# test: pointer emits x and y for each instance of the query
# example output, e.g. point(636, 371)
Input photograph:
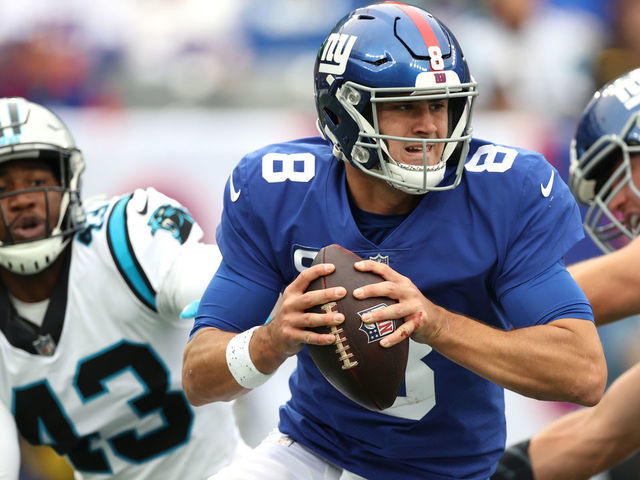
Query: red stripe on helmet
point(428, 35)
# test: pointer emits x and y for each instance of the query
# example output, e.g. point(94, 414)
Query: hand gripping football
point(357, 365)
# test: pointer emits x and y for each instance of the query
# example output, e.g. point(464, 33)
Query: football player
point(90, 299)
point(470, 235)
point(605, 175)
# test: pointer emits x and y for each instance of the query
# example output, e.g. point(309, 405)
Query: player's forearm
point(591, 440)
point(568, 448)
point(547, 362)
point(205, 375)
point(597, 287)
point(606, 282)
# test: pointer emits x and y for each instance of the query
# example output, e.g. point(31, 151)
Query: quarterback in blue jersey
point(471, 236)
point(605, 176)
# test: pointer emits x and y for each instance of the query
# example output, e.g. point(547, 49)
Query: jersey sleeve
point(150, 237)
point(549, 296)
point(224, 304)
point(545, 224)
point(187, 277)
point(247, 284)
point(246, 216)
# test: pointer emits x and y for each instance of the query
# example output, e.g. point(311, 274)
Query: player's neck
point(33, 288)
point(377, 196)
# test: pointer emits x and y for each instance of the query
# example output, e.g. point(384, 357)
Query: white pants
point(278, 457)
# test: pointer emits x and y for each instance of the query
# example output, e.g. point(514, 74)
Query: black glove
point(515, 463)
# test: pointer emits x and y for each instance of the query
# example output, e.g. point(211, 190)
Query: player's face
point(415, 119)
point(626, 203)
point(27, 215)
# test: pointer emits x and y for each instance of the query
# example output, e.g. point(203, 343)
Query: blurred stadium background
point(171, 93)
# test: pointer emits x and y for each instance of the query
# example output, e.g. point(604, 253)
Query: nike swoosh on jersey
point(234, 194)
point(546, 190)
point(143, 210)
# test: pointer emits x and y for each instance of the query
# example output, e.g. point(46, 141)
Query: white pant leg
point(257, 411)
point(279, 458)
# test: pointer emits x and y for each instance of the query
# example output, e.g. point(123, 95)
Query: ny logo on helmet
point(626, 89)
point(174, 219)
point(336, 53)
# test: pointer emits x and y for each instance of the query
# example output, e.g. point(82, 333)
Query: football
point(356, 364)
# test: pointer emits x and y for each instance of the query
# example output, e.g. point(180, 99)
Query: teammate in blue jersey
point(605, 175)
point(91, 337)
point(470, 236)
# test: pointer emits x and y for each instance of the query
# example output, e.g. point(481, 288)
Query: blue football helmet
point(607, 136)
point(29, 131)
point(388, 52)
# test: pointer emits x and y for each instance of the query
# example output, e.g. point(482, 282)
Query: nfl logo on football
point(375, 331)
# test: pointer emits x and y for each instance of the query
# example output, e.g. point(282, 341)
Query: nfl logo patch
point(380, 258)
point(440, 77)
point(45, 345)
point(375, 331)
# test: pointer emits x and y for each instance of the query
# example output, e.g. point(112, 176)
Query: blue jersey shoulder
point(271, 192)
point(525, 199)
point(270, 181)
point(514, 169)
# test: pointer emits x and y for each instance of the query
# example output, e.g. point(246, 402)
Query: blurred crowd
point(537, 63)
point(538, 55)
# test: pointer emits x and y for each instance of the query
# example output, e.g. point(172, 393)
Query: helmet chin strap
point(423, 179)
point(33, 257)
point(416, 179)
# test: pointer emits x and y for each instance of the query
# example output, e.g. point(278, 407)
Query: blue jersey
point(507, 224)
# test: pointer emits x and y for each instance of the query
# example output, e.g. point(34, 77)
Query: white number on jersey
point(492, 158)
point(420, 388)
point(280, 167)
point(38, 409)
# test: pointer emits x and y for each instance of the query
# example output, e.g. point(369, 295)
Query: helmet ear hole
point(331, 117)
point(605, 168)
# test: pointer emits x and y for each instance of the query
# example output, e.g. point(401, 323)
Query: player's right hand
point(289, 329)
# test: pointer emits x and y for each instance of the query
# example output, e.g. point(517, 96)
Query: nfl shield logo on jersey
point(380, 259)
point(375, 331)
point(45, 345)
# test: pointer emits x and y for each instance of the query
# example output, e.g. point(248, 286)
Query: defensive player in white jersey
point(91, 335)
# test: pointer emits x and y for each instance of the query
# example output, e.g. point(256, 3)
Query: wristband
point(240, 364)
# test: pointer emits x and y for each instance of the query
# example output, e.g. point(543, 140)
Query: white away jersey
point(100, 381)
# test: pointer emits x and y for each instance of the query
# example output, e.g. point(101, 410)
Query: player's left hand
point(423, 320)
